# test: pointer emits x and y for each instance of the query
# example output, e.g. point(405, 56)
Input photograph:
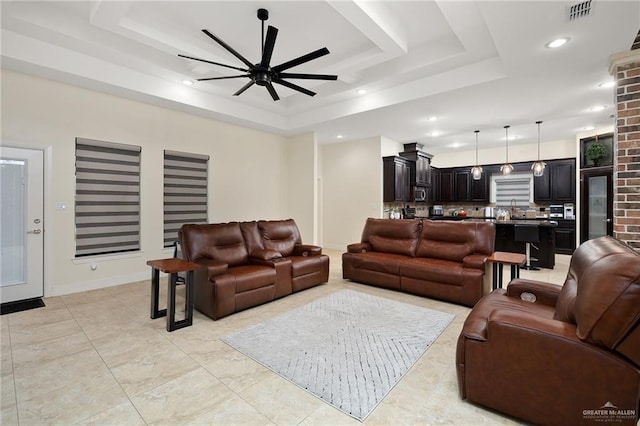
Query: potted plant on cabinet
point(596, 152)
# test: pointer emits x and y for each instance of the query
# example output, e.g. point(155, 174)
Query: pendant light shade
point(538, 166)
point(507, 167)
point(476, 171)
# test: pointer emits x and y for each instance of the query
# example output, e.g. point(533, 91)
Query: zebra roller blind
point(185, 192)
point(107, 204)
point(515, 188)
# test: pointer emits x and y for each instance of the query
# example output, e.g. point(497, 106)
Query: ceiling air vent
point(579, 10)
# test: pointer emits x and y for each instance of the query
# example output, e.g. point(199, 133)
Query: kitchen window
point(516, 188)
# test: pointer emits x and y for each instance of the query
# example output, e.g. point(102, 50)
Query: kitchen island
point(544, 250)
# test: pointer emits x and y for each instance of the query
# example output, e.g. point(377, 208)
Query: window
point(185, 192)
point(514, 189)
point(107, 205)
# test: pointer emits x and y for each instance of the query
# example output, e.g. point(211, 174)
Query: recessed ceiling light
point(557, 42)
point(434, 133)
point(597, 108)
point(588, 128)
point(361, 92)
point(339, 136)
point(432, 118)
point(607, 84)
point(553, 44)
point(188, 82)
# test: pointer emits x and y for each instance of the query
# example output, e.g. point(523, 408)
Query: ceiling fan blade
point(269, 43)
point(229, 48)
point(214, 63)
point(272, 91)
point(223, 78)
point(308, 76)
point(301, 60)
point(294, 87)
point(243, 88)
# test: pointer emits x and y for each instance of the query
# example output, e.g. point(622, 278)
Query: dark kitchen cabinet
point(462, 185)
point(565, 236)
point(434, 195)
point(447, 185)
point(396, 173)
point(421, 164)
point(557, 184)
point(480, 188)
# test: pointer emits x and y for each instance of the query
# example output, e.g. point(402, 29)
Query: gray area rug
point(349, 348)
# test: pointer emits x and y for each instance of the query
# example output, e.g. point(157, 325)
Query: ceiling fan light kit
point(262, 73)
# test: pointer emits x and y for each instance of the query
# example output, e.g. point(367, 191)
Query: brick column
point(625, 67)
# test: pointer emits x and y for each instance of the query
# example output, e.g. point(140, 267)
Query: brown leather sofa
point(439, 259)
point(249, 263)
point(556, 355)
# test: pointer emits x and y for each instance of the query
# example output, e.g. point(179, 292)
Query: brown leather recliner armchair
point(560, 355)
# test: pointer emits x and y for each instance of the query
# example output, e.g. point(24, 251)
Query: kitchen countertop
point(538, 221)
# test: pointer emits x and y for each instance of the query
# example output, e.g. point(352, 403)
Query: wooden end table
point(500, 258)
point(172, 267)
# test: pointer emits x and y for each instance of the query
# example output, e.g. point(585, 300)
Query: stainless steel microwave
point(420, 193)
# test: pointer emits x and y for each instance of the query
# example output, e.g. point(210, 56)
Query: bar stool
point(527, 234)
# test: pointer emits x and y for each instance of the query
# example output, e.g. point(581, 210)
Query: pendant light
point(476, 171)
point(538, 166)
point(507, 167)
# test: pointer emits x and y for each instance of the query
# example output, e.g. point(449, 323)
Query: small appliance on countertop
point(409, 213)
point(569, 212)
point(436, 210)
point(556, 211)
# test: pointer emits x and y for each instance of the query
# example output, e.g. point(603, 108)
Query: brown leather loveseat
point(440, 259)
point(249, 263)
point(556, 355)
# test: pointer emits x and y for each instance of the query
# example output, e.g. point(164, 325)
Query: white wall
point(352, 189)
point(497, 155)
point(303, 194)
point(249, 170)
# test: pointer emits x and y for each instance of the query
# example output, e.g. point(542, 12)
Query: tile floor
point(97, 358)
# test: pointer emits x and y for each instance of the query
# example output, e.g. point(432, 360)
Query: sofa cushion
point(392, 236)
point(566, 300)
point(222, 242)
point(280, 235)
point(303, 265)
point(446, 240)
point(436, 270)
point(387, 263)
point(251, 277)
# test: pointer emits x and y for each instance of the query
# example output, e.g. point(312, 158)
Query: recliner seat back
point(279, 235)
point(392, 236)
point(601, 296)
point(222, 242)
point(455, 240)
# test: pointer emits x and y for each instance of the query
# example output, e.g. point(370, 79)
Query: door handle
point(606, 220)
point(35, 231)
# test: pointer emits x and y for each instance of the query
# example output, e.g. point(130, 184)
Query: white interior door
point(21, 224)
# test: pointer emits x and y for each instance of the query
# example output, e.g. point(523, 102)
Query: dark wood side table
point(172, 267)
point(500, 258)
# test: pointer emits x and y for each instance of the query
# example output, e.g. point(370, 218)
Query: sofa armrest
point(475, 261)
point(529, 323)
point(534, 291)
point(306, 250)
point(359, 248)
point(213, 267)
point(265, 254)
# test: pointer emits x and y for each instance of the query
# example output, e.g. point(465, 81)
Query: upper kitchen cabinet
point(421, 172)
point(558, 183)
point(447, 185)
point(435, 196)
point(396, 179)
point(462, 178)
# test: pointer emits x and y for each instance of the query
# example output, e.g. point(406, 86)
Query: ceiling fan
point(262, 73)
